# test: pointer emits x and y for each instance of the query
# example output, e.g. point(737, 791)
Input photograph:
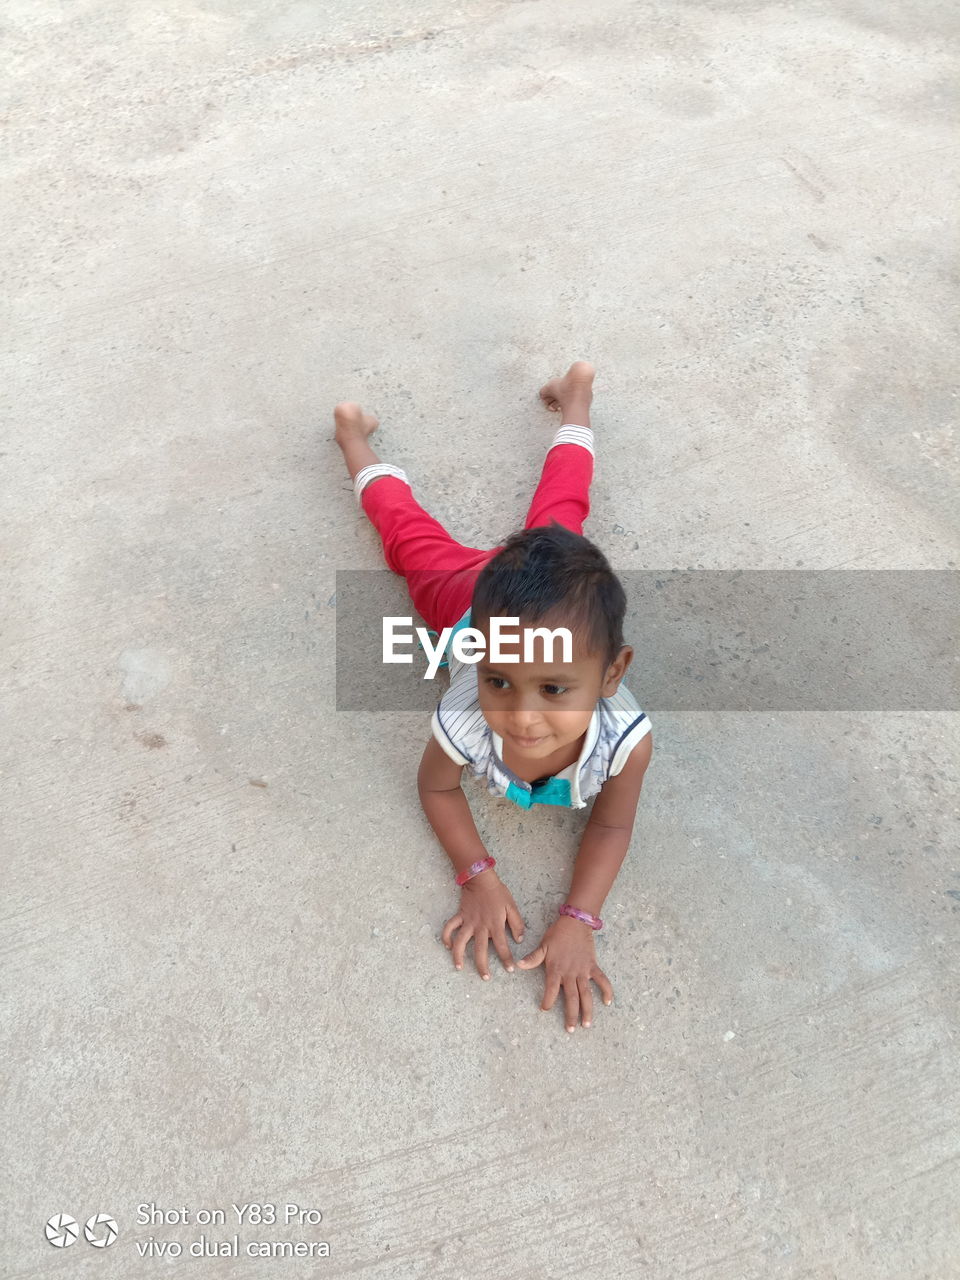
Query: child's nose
point(523, 716)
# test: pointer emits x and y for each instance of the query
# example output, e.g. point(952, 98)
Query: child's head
point(550, 577)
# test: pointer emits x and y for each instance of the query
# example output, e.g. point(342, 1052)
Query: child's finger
point(449, 927)
point(460, 944)
point(603, 982)
point(551, 990)
point(502, 950)
point(516, 923)
point(586, 1001)
point(480, 954)
point(571, 1003)
point(531, 960)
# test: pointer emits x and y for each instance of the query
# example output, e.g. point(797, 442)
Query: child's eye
point(554, 689)
point(497, 682)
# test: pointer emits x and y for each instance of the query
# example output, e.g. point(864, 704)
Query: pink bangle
point(593, 921)
point(475, 869)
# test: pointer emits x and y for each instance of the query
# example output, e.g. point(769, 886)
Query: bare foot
point(575, 385)
point(352, 422)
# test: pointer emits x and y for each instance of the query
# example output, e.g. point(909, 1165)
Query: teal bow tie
point(553, 791)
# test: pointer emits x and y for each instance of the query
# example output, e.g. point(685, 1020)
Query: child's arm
point(486, 904)
point(567, 947)
point(607, 835)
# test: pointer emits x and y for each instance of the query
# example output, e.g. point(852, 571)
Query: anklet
point(372, 472)
point(570, 434)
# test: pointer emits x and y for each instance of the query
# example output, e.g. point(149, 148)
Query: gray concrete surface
point(223, 978)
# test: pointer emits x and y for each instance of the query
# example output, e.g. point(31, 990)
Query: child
point(539, 731)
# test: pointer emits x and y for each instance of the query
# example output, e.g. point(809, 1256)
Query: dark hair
point(549, 568)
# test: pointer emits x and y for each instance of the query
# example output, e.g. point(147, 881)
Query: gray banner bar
point(718, 640)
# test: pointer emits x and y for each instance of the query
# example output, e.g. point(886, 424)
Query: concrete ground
point(223, 977)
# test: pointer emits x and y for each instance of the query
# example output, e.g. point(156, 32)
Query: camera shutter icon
point(61, 1230)
point(100, 1230)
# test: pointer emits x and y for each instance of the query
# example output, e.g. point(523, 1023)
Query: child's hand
point(571, 961)
point(485, 905)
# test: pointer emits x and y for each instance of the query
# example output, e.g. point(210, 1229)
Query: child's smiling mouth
point(527, 742)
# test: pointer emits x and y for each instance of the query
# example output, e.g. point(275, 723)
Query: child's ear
point(616, 671)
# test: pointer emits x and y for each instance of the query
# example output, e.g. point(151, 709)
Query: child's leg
point(440, 572)
point(563, 493)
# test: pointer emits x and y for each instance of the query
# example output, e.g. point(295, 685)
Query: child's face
point(539, 707)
